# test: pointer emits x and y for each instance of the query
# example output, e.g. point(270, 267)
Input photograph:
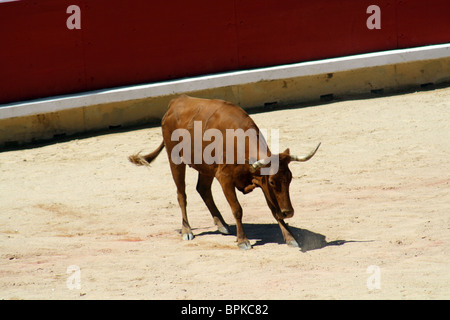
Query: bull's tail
point(145, 160)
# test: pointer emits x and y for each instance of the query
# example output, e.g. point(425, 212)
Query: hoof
point(245, 245)
point(293, 244)
point(224, 230)
point(188, 236)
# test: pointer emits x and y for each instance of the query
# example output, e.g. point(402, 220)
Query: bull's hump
point(213, 113)
point(228, 116)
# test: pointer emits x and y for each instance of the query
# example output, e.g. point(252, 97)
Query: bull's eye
point(272, 183)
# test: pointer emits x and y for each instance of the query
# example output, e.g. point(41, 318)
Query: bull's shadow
point(271, 233)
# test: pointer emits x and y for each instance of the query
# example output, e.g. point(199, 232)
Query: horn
point(307, 157)
point(258, 164)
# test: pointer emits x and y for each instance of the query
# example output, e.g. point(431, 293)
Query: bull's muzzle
point(286, 213)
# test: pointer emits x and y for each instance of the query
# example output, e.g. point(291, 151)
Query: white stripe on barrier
point(135, 92)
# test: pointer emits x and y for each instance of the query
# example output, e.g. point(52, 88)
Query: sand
point(78, 221)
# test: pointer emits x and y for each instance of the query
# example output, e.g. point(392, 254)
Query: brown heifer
point(196, 116)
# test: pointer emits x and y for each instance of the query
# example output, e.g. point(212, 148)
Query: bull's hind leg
point(204, 189)
point(179, 174)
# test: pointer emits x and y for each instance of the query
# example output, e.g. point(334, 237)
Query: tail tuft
point(138, 160)
point(145, 160)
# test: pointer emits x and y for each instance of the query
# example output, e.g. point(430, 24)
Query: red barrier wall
point(130, 42)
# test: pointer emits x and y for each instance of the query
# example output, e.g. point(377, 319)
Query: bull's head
point(275, 185)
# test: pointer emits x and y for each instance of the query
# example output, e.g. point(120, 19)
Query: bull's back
point(214, 114)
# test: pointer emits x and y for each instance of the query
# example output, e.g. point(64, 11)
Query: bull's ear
point(287, 151)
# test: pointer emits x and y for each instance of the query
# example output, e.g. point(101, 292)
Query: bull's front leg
point(242, 240)
point(230, 194)
point(287, 234)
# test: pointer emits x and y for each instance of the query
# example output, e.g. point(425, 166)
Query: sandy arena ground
point(372, 209)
